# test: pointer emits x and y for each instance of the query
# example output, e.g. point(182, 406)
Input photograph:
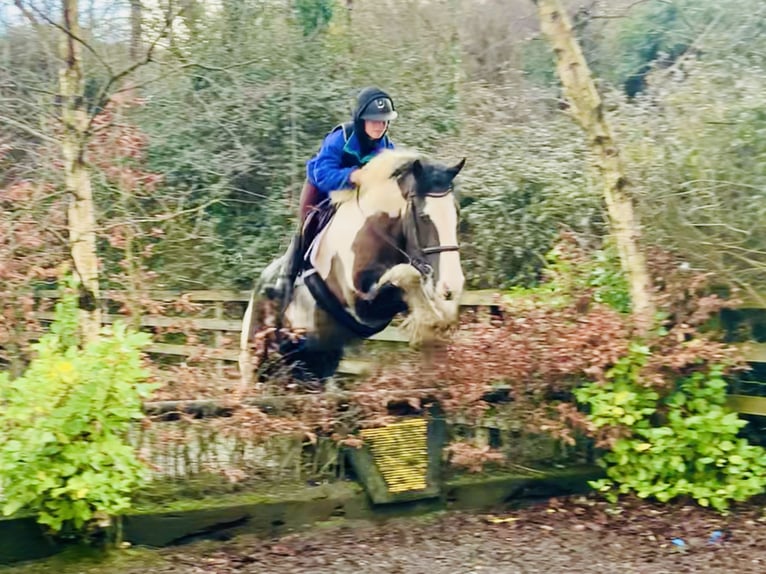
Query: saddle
point(319, 216)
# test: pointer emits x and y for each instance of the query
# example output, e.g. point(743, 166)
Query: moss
point(165, 499)
point(88, 560)
point(574, 472)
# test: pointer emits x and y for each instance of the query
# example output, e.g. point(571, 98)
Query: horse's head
point(430, 224)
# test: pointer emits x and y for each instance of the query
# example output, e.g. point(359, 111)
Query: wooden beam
point(481, 298)
point(233, 325)
point(203, 295)
point(747, 405)
point(199, 351)
point(754, 352)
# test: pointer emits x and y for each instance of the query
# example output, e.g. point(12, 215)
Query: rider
point(344, 150)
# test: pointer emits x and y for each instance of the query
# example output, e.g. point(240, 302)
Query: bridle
point(418, 254)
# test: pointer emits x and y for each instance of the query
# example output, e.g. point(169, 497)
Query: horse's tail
point(246, 364)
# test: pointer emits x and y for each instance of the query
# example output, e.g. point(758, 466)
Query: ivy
point(64, 453)
point(682, 442)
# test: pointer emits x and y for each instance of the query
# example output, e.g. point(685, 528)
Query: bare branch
point(25, 128)
point(73, 37)
point(165, 216)
point(103, 96)
point(27, 14)
point(615, 16)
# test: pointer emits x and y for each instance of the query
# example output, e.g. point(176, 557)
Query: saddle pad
point(311, 251)
point(314, 228)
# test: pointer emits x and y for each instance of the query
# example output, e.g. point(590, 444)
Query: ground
point(577, 535)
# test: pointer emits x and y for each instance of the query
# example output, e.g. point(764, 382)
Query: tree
point(81, 212)
point(78, 103)
point(588, 110)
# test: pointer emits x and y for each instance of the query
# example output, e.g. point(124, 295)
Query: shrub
point(682, 442)
point(64, 453)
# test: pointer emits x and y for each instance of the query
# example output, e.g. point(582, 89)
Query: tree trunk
point(587, 108)
point(136, 32)
point(81, 213)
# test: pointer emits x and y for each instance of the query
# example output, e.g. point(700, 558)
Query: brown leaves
point(472, 457)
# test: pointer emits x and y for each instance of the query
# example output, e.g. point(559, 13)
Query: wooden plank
point(752, 302)
point(347, 366)
point(234, 325)
point(488, 297)
point(193, 351)
point(477, 297)
point(392, 335)
point(355, 367)
point(754, 352)
point(202, 295)
point(747, 405)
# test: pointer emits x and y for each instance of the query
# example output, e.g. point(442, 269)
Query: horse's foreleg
point(425, 320)
point(404, 276)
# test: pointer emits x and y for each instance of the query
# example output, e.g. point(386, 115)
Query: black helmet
point(374, 104)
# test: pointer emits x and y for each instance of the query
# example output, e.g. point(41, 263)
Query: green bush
point(669, 444)
point(570, 273)
point(64, 453)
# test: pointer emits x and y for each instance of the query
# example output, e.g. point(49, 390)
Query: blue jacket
point(330, 168)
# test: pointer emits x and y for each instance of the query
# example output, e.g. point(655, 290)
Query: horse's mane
point(378, 174)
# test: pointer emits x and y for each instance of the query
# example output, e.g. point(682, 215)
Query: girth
point(328, 302)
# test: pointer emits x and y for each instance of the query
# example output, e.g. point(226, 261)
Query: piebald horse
point(391, 247)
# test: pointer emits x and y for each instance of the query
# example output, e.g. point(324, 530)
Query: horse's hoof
point(313, 386)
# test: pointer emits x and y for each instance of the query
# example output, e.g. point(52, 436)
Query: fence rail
point(225, 348)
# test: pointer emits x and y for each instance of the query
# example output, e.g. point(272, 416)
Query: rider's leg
point(291, 263)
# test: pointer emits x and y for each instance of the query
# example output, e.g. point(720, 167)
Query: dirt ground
point(574, 535)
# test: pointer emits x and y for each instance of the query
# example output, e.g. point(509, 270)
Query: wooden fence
point(219, 320)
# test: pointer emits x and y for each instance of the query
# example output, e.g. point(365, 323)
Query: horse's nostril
point(447, 295)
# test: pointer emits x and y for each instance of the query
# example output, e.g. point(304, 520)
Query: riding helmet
point(374, 104)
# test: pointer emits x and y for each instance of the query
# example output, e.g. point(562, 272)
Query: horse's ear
point(453, 171)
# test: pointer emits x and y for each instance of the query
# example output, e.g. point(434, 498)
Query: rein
point(418, 259)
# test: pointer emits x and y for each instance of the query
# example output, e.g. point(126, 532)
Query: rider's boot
point(282, 288)
point(291, 263)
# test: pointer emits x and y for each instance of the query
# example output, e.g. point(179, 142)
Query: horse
point(390, 247)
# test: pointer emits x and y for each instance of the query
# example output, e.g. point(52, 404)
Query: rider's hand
point(354, 176)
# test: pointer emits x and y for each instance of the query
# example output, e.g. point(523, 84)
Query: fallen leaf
point(498, 520)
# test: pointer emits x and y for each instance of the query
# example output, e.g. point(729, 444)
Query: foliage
point(652, 34)
point(30, 253)
point(659, 408)
point(706, 202)
point(314, 14)
point(63, 432)
point(226, 127)
point(569, 275)
point(198, 161)
point(682, 442)
point(529, 200)
point(521, 365)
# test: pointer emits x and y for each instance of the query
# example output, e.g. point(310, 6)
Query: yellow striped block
point(400, 451)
